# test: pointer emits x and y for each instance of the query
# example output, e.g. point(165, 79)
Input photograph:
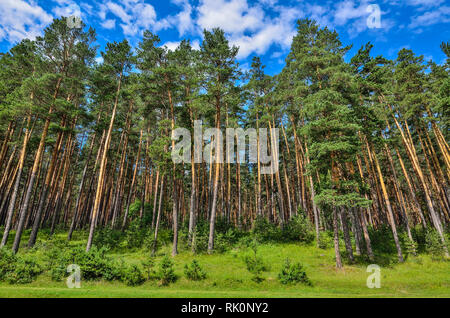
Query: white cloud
point(134, 15)
point(425, 3)
point(348, 10)
point(276, 54)
point(87, 8)
point(269, 3)
point(254, 26)
point(183, 19)
point(321, 14)
point(195, 44)
point(394, 50)
point(109, 24)
point(232, 16)
point(254, 30)
point(172, 45)
point(118, 11)
point(67, 8)
point(353, 15)
point(249, 26)
point(21, 19)
point(439, 15)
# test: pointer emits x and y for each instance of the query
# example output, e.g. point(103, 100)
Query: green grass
point(228, 277)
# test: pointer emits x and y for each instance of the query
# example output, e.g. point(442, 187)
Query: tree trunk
point(336, 239)
point(12, 200)
point(102, 170)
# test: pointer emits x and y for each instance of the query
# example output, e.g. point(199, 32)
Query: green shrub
point(410, 247)
point(263, 230)
point(201, 236)
point(223, 225)
point(148, 266)
point(223, 241)
point(200, 243)
point(134, 208)
point(25, 271)
point(255, 264)
point(56, 262)
point(94, 264)
point(245, 241)
point(326, 240)
point(133, 276)
point(166, 272)
point(299, 228)
point(58, 272)
point(7, 262)
point(382, 240)
point(194, 271)
point(293, 274)
point(135, 234)
point(434, 245)
point(107, 237)
point(17, 270)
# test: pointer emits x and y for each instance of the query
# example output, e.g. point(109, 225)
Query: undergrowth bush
point(382, 240)
point(299, 229)
point(255, 264)
point(17, 270)
point(148, 266)
point(135, 234)
point(293, 274)
point(194, 271)
point(326, 239)
point(166, 273)
point(434, 245)
point(94, 264)
point(264, 231)
point(408, 246)
point(7, 262)
point(107, 237)
point(224, 239)
point(133, 275)
point(25, 271)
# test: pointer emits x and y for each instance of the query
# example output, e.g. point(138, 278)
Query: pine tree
point(117, 62)
point(220, 69)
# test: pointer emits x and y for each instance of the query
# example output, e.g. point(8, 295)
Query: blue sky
point(264, 28)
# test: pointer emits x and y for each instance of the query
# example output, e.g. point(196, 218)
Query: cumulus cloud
point(134, 15)
point(354, 16)
point(183, 20)
point(67, 8)
point(323, 15)
point(231, 16)
point(254, 30)
point(172, 45)
point(249, 26)
point(21, 19)
point(254, 26)
point(424, 3)
point(439, 15)
point(99, 60)
point(109, 24)
point(348, 10)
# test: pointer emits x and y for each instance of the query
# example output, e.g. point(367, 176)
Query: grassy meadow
point(227, 275)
